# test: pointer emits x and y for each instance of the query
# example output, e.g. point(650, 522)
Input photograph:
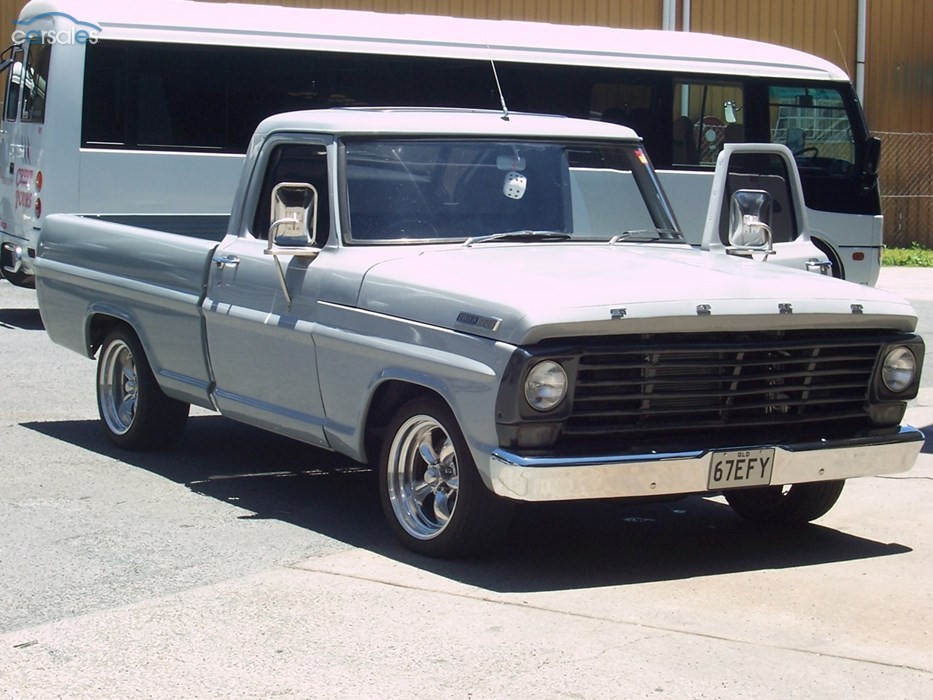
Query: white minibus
point(141, 110)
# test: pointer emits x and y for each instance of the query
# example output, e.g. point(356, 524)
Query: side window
point(104, 119)
point(35, 82)
point(814, 125)
point(706, 116)
point(295, 163)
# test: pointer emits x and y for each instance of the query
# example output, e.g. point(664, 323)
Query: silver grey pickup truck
point(491, 308)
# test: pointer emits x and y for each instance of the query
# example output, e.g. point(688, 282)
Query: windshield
point(444, 190)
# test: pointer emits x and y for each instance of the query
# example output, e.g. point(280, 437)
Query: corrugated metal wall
point(639, 14)
point(826, 28)
point(899, 105)
point(9, 11)
point(900, 69)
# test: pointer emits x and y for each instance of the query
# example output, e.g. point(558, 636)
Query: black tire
point(788, 505)
point(19, 279)
point(431, 492)
point(135, 413)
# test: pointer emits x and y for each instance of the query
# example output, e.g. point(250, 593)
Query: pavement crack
point(660, 629)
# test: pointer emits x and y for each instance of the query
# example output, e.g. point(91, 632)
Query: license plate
point(740, 469)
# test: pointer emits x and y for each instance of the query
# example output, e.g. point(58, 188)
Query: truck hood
point(523, 293)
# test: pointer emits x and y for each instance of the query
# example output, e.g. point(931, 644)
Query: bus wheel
point(135, 413)
point(789, 505)
point(431, 491)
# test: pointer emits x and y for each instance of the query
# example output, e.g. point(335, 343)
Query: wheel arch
point(839, 270)
point(384, 400)
point(99, 324)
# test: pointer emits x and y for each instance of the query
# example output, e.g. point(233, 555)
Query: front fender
point(360, 352)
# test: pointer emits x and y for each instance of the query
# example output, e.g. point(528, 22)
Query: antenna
point(495, 74)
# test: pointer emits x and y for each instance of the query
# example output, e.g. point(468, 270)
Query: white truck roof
point(440, 122)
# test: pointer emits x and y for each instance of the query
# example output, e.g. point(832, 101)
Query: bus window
point(11, 104)
point(35, 83)
point(700, 126)
point(627, 104)
point(814, 125)
point(104, 109)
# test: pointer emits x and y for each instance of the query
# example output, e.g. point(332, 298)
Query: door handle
point(823, 267)
point(224, 261)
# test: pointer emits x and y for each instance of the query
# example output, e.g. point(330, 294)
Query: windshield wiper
point(519, 236)
point(648, 235)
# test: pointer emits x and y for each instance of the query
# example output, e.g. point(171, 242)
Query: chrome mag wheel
point(423, 477)
point(118, 387)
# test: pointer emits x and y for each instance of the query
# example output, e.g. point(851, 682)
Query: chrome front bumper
point(558, 479)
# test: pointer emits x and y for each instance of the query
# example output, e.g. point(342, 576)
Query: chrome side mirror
point(294, 216)
point(749, 219)
point(293, 229)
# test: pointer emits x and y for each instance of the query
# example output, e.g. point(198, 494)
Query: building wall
point(826, 28)
point(900, 110)
point(639, 14)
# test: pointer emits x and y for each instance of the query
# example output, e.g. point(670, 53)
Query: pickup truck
point(492, 308)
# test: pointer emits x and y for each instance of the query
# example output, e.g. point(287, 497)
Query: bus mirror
point(749, 216)
point(9, 56)
point(730, 112)
point(872, 155)
point(294, 216)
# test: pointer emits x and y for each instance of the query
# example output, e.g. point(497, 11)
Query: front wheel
point(430, 488)
point(796, 504)
point(135, 413)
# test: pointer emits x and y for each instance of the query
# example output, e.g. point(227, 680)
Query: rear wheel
point(799, 503)
point(430, 489)
point(135, 413)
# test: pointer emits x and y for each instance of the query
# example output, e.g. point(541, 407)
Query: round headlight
point(545, 385)
point(899, 369)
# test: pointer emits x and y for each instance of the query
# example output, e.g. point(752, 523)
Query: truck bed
point(154, 280)
point(209, 227)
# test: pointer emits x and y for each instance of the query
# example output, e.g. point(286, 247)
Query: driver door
point(261, 344)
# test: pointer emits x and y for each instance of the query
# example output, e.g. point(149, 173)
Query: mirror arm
point(275, 252)
point(282, 283)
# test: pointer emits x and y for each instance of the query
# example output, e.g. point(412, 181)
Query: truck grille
point(696, 391)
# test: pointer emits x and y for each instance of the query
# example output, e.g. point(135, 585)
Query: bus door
point(11, 62)
point(20, 148)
